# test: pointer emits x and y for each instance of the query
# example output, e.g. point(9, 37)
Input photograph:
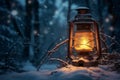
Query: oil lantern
point(84, 40)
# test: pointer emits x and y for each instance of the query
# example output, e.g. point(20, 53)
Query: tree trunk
point(68, 23)
point(28, 50)
point(36, 29)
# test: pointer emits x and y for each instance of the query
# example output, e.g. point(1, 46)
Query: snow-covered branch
point(50, 52)
point(60, 60)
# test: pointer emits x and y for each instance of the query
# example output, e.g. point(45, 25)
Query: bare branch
point(50, 52)
point(60, 60)
point(57, 46)
point(111, 45)
point(112, 38)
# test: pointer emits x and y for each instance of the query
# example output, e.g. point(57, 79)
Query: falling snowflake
point(9, 16)
point(13, 4)
point(63, 37)
point(60, 39)
point(21, 24)
point(56, 13)
point(107, 20)
point(45, 6)
point(51, 23)
point(14, 12)
point(29, 1)
point(111, 16)
point(36, 32)
point(46, 31)
point(65, 4)
point(8, 21)
point(111, 28)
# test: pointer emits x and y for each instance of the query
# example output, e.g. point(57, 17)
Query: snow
point(50, 72)
point(29, 67)
point(29, 1)
point(45, 6)
point(35, 32)
point(14, 12)
point(111, 28)
point(51, 23)
point(48, 67)
point(107, 20)
point(45, 31)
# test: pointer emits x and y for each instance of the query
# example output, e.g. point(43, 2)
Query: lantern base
point(82, 63)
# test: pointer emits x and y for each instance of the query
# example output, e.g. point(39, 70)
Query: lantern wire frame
point(94, 52)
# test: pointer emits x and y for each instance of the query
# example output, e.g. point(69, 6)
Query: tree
point(10, 36)
point(29, 38)
point(36, 30)
point(114, 15)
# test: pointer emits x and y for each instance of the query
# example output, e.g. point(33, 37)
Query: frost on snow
point(65, 73)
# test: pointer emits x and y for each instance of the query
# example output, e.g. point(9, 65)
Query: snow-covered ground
point(50, 72)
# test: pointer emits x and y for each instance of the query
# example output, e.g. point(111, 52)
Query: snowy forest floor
point(51, 72)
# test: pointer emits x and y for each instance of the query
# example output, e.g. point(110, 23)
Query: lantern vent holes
point(82, 13)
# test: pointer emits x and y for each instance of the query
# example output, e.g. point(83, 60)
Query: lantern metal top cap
point(83, 10)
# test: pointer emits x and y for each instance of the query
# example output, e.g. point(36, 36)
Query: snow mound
point(29, 67)
point(65, 73)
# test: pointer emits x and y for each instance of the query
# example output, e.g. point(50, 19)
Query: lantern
point(84, 40)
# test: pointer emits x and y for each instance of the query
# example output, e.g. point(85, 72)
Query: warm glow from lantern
point(83, 41)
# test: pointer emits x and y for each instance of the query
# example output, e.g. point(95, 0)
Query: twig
point(112, 38)
point(106, 47)
point(50, 52)
point(107, 35)
point(111, 45)
point(58, 59)
point(57, 46)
